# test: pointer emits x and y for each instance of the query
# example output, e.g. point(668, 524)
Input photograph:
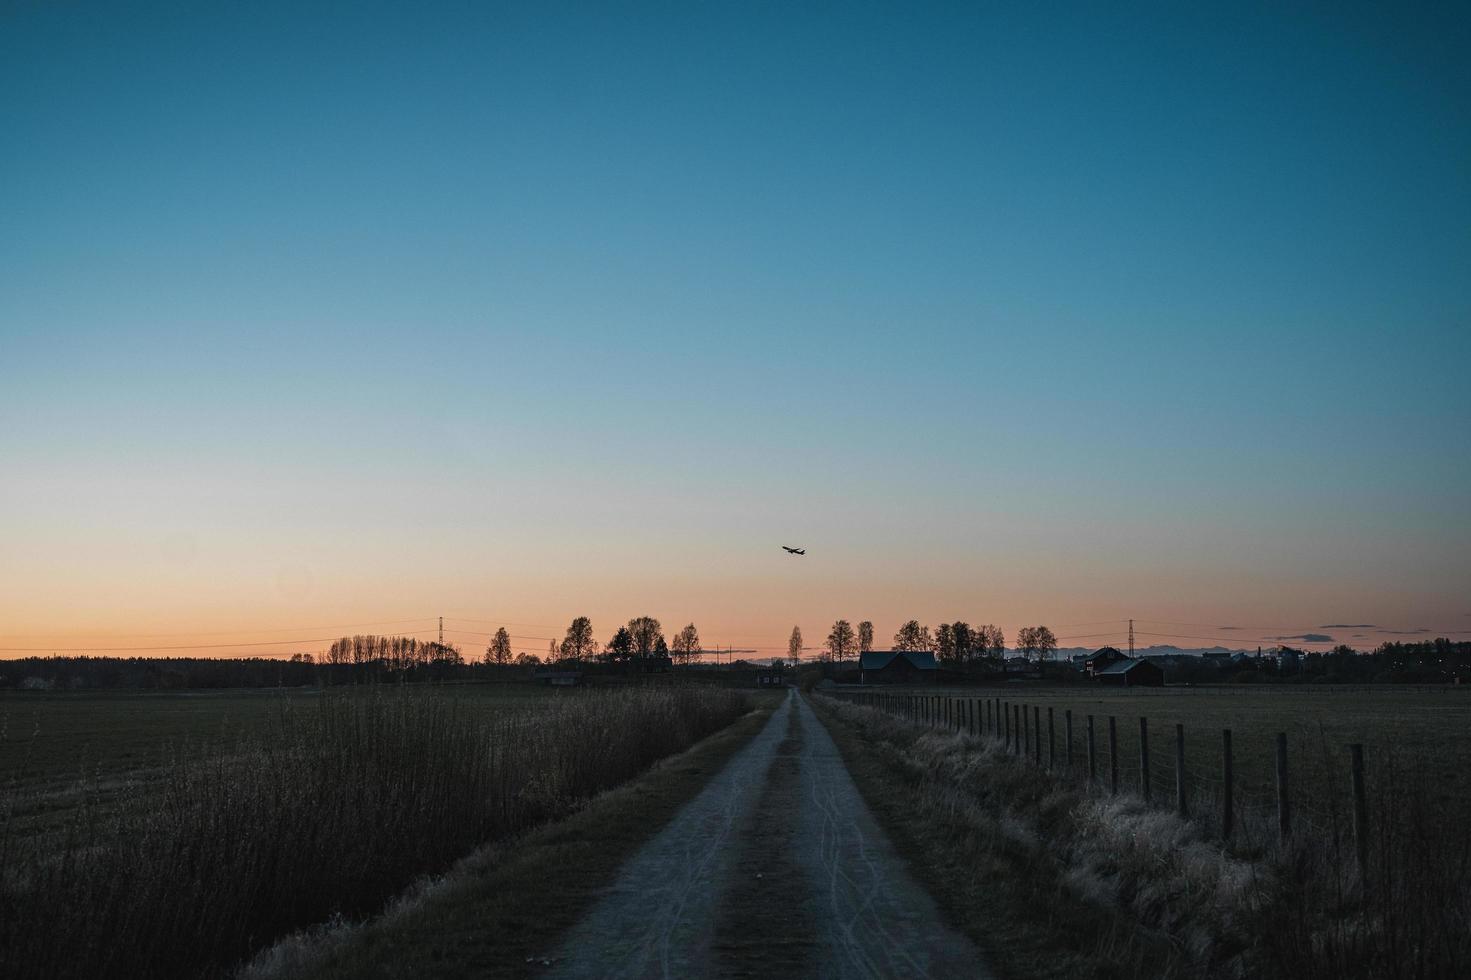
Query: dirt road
point(777, 869)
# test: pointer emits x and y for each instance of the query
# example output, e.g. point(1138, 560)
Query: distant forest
point(351, 660)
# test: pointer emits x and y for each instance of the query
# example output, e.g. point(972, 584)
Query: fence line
point(1274, 801)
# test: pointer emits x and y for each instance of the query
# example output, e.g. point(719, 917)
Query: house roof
point(879, 659)
point(1121, 666)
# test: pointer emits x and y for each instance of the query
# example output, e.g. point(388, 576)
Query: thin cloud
point(1414, 632)
point(1305, 638)
point(1349, 626)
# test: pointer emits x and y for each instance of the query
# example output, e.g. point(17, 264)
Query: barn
point(1131, 673)
point(1101, 659)
point(897, 667)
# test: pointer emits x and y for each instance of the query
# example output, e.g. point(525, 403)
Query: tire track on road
point(658, 918)
point(840, 903)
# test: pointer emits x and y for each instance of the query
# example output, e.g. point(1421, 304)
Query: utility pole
point(441, 635)
point(1131, 639)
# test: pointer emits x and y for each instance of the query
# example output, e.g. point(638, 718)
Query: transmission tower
point(1131, 639)
point(1131, 635)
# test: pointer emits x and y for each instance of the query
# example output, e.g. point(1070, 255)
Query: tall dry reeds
point(328, 813)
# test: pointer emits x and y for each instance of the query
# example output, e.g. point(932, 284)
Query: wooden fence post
point(1144, 758)
point(1181, 803)
point(1005, 710)
point(1019, 716)
point(1026, 732)
point(1067, 717)
point(1051, 740)
point(1036, 735)
point(1284, 806)
point(1092, 758)
point(1113, 756)
point(1228, 810)
point(1361, 815)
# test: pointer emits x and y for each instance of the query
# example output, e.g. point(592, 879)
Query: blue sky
point(1008, 314)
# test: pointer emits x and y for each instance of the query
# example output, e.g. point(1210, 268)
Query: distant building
point(771, 677)
point(897, 667)
point(1101, 659)
point(556, 677)
point(1130, 673)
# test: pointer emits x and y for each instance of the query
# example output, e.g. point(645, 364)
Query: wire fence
point(1246, 787)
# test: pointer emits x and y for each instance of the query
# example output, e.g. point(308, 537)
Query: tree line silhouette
point(953, 644)
point(368, 658)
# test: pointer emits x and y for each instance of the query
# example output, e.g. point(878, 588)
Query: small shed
point(1131, 673)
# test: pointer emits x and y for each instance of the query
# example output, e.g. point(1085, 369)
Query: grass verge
point(500, 911)
point(1106, 885)
point(1013, 859)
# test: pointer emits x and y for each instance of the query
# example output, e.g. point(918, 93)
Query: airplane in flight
point(794, 551)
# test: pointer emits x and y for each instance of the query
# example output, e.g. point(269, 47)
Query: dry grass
point(328, 812)
point(1112, 886)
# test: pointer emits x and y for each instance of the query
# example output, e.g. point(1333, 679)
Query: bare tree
point(686, 645)
point(1046, 643)
point(945, 643)
point(553, 652)
point(646, 635)
point(865, 636)
point(965, 641)
point(1036, 641)
point(794, 646)
point(913, 637)
point(499, 651)
point(841, 642)
point(1026, 641)
point(579, 644)
point(991, 642)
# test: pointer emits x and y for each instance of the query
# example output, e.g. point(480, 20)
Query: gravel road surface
point(777, 869)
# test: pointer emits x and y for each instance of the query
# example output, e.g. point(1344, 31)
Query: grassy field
point(164, 835)
point(61, 749)
point(1402, 729)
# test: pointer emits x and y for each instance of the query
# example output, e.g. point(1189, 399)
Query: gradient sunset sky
point(318, 318)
